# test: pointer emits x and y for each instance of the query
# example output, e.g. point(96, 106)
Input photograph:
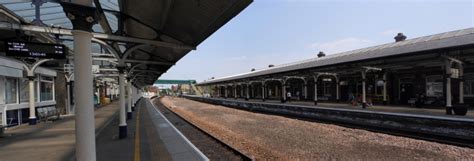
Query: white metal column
point(448, 92)
point(247, 97)
point(68, 98)
point(305, 91)
point(316, 91)
point(123, 123)
point(134, 97)
point(85, 122)
point(461, 84)
point(385, 88)
point(31, 101)
point(364, 102)
point(129, 99)
point(448, 87)
point(235, 91)
point(337, 89)
point(283, 93)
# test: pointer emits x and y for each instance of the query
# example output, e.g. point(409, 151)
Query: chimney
point(253, 69)
point(271, 65)
point(321, 54)
point(400, 37)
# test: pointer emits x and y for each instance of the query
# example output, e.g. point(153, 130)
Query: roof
point(425, 43)
point(180, 22)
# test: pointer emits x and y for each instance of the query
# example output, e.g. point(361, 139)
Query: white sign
point(95, 69)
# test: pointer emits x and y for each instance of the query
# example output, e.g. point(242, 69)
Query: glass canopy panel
point(52, 14)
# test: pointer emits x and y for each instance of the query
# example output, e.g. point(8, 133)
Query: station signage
point(35, 50)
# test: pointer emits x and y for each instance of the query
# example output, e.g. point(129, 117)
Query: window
point(434, 86)
point(469, 85)
point(11, 88)
point(327, 89)
point(46, 88)
point(24, 90)
point(469, 88)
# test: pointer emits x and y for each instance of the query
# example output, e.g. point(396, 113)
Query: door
point(406, 92)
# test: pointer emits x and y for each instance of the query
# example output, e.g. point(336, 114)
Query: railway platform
point(430, 111)
point(53, 141)
point(151, 137)
point(431, 125)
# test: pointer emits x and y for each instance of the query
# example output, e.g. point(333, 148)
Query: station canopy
point(181, 22)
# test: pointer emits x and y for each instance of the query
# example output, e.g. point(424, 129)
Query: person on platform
point(288, 96)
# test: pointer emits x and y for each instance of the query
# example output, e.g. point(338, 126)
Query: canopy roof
point(425, 43)
point(181, 22)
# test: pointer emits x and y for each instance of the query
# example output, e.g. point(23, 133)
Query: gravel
point(269, 137)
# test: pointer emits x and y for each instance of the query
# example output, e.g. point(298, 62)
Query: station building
point(434, 70)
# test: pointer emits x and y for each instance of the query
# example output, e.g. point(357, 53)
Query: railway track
point(379, 129)
point(212, 147)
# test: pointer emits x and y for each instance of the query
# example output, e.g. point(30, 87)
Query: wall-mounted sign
point(35, 50)
point(95, 69)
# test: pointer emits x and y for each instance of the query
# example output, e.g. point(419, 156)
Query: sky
point(284, 31)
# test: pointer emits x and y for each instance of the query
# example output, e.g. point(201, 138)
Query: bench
point(45, 113)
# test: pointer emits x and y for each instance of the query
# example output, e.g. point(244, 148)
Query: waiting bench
point(45, 113)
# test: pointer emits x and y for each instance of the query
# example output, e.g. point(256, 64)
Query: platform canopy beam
point(101, 36)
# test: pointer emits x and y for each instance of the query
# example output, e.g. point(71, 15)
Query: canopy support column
point(31, 83)
point(129, 99)
point(461, 84)
point(337, 89)
point(316, 91)
point(83, 18)
point(263, 91)
point(123, 122)
point(305, 86)
point(235, 91)
point(384, 88)
point(283, 92)
point(364, 101)
point(247, 95)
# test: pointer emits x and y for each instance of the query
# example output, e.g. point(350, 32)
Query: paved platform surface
point(144, 145)
point(150, 138)
point(48, 141)
point(441, 112)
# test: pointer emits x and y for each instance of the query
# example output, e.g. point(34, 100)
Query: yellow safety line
point(137, 137)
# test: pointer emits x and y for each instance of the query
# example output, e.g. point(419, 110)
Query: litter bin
point(460, 109)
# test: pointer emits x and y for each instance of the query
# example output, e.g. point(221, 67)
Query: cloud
point(341, 45)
